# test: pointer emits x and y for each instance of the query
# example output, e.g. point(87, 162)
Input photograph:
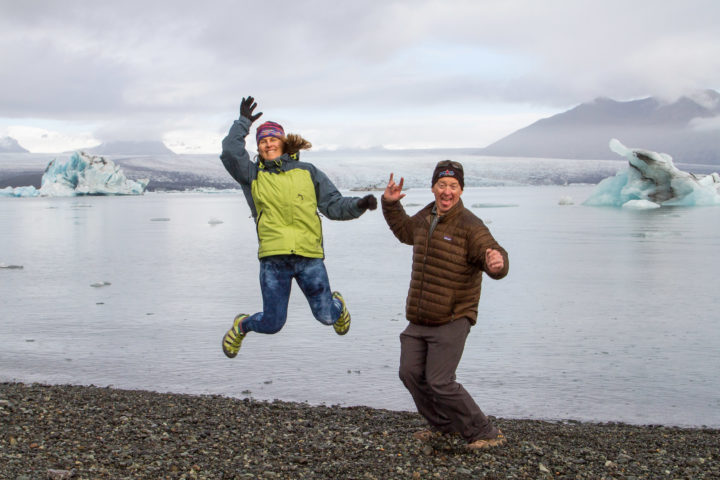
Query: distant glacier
point(349, 170)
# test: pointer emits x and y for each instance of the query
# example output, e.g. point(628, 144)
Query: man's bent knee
point(444, 388)
point(409, 375)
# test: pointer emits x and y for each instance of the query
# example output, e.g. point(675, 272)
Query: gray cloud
point(152, 66)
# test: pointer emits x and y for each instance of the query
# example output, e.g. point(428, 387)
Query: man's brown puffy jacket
point(448, 261)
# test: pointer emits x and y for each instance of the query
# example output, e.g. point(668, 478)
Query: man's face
point(270, 148)
point(447, 193)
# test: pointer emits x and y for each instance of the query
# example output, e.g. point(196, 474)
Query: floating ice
point(10, 267)
point(652, 180)
point(640, 205)
point(493, 205)
point(81, 174)
point(19, 192)
point(100, 284)
point(566, 201)
point(87, 174)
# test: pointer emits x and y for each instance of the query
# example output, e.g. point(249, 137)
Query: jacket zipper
point(433, 224)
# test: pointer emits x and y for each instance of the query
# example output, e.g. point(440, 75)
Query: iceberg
point(651, 180)
point(19, 192)
point(81, 174)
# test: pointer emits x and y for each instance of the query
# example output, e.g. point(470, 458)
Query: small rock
point(623, 458)
point(60, 474)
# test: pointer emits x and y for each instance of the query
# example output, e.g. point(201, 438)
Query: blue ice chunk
point(85, 174)
point(81, 174)
point(29, 191)
point(651, 178)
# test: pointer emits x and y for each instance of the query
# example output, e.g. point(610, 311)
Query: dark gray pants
point(429, 357)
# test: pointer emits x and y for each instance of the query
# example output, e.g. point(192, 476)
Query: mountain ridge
point(687, 129)
point(584, 131)
point(10, 145)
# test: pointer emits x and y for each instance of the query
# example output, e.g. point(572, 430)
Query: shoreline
point(68, 431)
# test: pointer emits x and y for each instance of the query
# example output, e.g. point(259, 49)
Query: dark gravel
point(88, 432)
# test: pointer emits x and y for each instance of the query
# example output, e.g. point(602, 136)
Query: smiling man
point(451, 250)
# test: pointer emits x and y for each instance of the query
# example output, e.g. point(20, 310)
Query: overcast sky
point(399, 74)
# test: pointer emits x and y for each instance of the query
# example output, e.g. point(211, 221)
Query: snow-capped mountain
point(10, 145)
point(687, 129)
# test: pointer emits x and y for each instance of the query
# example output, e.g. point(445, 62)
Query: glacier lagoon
point(607, 314)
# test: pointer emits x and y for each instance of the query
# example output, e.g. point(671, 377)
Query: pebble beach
point(86, 432)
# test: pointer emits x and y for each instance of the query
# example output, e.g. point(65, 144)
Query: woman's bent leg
point(312, 278)
point(276, 275)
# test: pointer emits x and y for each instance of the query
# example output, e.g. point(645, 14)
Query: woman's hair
point(294, 143)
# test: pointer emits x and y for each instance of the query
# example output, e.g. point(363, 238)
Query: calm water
point(606, 314)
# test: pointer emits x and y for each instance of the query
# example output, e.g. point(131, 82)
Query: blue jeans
point(276, 274)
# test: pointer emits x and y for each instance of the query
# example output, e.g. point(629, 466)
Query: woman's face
point(270, 148)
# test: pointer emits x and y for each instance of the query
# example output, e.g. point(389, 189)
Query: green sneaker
point(234, 337)
point(342, 324)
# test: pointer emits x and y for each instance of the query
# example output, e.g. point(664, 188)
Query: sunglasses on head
point(449, 163)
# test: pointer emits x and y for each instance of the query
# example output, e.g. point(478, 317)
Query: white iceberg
point(81, 174)
point(640, 205)
point(19, 192)
point(651, 180)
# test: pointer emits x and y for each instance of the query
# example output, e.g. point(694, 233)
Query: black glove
point(246, 109)
point(368, 202)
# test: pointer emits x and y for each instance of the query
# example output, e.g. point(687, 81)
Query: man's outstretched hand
point(246, 109)
point(393, 191)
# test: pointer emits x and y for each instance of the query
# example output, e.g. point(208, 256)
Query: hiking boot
point(483, 443)
point(234, 337)
point(426, 435)
point(342, 324)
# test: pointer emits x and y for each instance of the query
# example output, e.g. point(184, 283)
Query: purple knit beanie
point(269, 129)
